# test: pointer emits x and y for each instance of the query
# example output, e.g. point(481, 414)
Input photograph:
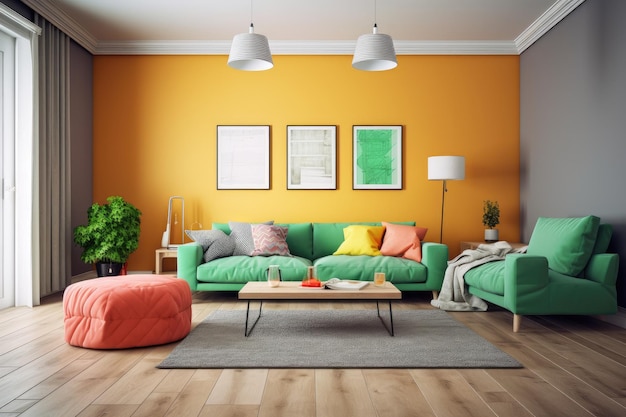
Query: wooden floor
point(573, 366)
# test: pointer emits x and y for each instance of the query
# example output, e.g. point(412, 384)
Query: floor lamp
point(445, 168)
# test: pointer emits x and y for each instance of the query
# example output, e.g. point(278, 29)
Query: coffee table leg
point(389, 328)
point(247, 332)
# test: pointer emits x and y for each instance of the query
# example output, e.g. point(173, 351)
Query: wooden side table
point(474, 244)
point(163, 253)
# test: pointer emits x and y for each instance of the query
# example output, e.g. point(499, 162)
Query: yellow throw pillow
point(361, 240)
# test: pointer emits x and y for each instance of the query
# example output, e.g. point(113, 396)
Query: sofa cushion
point(567, 243)
point(363, 267)
point(488, 277)
point(404, 241)
point(241, 269)
point(361, 240)
point(269, 240)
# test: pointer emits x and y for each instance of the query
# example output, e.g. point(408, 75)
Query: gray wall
point(573, 123)
point(81, 135)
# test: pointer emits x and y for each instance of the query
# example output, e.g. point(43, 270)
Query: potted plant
point(491, 218)
point(110, 235)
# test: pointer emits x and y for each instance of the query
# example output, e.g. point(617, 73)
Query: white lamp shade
point(250, 52)
point(374, 52)
point(446, 167)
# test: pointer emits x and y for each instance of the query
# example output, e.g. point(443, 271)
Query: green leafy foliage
point(111, 233)
point(491, 214)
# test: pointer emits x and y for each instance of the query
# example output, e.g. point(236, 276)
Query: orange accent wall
point(155, 121)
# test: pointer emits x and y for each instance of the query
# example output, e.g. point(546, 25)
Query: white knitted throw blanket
point(454, 295)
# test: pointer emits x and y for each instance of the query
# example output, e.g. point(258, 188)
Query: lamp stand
point(443, 199)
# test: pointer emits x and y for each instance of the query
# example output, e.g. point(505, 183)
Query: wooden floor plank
point(194, 394)
point(395, 394)
point(449, 394)
point(239, 386)
point(117, 410)
point(174, 380)
point(26, 377)
point(289, 392)
point(342, 392)
point(136, 384)
point(56, 380)
point(230, 410)
point(80, 392)
point(156, 405)
point(501, 402)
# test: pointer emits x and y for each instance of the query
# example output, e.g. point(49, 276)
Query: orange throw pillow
point(404, 241)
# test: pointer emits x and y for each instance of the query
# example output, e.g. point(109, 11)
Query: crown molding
point(550, 18)
point(304, 48)
point(559, 10)
point(64, 22)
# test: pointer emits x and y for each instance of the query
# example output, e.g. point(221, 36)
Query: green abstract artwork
point(377, 157)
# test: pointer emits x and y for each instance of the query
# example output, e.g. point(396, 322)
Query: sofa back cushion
point(300, 239)
point(605, 232)
point(567, 243)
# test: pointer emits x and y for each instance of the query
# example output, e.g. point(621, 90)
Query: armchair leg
point(435, 295)
point(517, 321)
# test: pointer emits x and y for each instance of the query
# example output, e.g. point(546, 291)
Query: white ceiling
point(296, 26)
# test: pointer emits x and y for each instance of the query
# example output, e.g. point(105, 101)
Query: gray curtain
point(54, 159)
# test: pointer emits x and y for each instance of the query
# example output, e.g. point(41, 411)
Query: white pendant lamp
point(250, 51)
point(374, 52)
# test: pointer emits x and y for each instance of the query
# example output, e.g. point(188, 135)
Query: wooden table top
point(288, 290)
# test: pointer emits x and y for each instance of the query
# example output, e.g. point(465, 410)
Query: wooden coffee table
point(261, 291)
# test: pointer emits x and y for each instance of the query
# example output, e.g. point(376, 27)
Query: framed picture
point(377, 158)
point(311, 157)
point(243, 157)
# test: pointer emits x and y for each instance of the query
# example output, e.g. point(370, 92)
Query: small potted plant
point(110, 235)
point(491, 218)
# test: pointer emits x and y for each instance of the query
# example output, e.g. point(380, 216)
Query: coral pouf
point(127, 311)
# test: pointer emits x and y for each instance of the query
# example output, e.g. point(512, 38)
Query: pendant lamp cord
point(375, 16)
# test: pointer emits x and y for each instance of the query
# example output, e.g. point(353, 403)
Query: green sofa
point(312, 244)
point(565, 270)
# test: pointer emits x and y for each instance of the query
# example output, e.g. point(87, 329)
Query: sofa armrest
point(189, 257)
point(525, 276)
point(602, 268)
point(435, 258)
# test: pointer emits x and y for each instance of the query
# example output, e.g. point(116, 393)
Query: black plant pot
point(107, 269)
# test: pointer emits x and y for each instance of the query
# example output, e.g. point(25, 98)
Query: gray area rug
point(335, 339)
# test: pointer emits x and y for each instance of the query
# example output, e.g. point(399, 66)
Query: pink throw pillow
point(404, 241)
point(269, 240)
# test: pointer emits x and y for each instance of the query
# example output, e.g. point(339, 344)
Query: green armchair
point(565, 270)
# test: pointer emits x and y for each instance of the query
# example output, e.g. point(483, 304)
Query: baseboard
point(84, 276)
point(618, 319)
